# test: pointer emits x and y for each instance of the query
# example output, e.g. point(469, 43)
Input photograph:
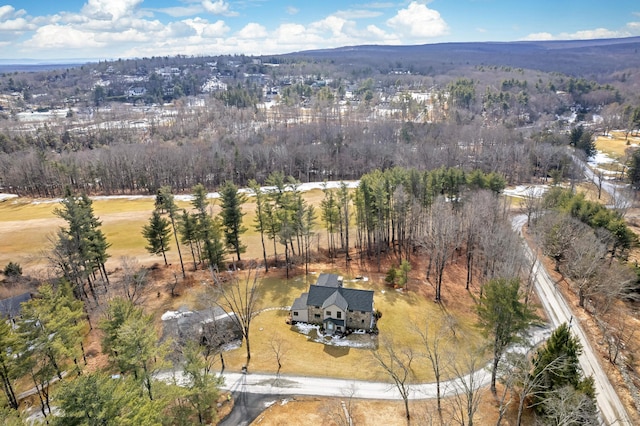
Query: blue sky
point(110, 29)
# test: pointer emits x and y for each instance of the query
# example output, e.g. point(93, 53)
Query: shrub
point(13, 270)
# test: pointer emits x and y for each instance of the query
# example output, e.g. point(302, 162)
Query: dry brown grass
point(615, 144)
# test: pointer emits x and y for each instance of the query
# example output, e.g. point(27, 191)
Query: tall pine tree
point(157, 233)
point(231, 203)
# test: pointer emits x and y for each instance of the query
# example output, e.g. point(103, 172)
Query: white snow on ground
point(4, 197)
point(601, 158)
point(303, 187)
point(169, 315)
point(521, 191)
point(359, 339)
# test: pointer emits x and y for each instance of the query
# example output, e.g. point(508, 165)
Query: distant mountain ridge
point(596, 56)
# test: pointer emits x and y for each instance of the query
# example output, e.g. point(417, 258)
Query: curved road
point(610, 407)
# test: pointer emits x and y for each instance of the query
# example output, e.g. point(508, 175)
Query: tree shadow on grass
point(336, 351)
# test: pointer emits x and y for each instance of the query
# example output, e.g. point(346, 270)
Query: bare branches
point(239, 298)
point(396, 362)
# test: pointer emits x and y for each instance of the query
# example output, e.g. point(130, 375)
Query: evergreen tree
point(157, 233)
point(81, 247)
point(165, 202)
point(563, 346)
point(260, 219)
point(214, 250)
point(98, 399)
point(203, 388)
point(50, 332)
point(188, 228)
point(330, 216)
point(231, 203)
point(8, 365)
point(207, 230)
point(583, 140)
point(131, 341)
point(503, 317)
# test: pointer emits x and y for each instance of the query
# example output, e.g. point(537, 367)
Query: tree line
point(308, 152)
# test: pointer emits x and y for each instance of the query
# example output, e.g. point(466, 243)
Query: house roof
point(329, 280)
point(11, 307)
point(336, 299)
point(357, 300)
point(300, 303)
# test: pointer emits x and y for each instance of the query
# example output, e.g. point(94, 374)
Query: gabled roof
point(336, 299)
point(329, 280)
point(357, 300)
point(300, 303)
point(11, 307)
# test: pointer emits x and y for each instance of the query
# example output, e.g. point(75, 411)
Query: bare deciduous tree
point(441, 239)
point(433, 341)
point(396, 362)
point(134, 279)
point(239, 298)
point(530, 203)
point(468, 381)
point(584, 259)
point(279, 349)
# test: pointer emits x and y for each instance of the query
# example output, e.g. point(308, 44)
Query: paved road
point(611, 409)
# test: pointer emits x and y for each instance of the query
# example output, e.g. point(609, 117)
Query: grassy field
point(615, 144)
point(27, 227)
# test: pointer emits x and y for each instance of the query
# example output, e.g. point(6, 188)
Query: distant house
point(11, 308)
point(136, 91)
point(335, 307)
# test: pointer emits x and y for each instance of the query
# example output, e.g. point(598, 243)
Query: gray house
point(335, 307)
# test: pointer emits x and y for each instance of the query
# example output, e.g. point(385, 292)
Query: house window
point(338, 314)
point(362, 312)
point(295, 314)
point(362, 322)
point(316, 316)
point(328, 313)
point(351, 310)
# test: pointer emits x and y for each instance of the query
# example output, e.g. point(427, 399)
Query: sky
point(56, 30)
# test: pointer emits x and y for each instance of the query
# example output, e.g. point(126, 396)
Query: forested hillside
point(132, 126)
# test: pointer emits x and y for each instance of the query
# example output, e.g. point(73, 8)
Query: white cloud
point(62, 37)
point(539, 37)
point(217, 29)
point(253, 31)
point(591, 34)
point(632, 28)
point(358, 14)
point(292, 10)
point(180, 11)
point(332, 24)
point(6, 12)
point(418, 23)
point(219, 7)
point(110, 10)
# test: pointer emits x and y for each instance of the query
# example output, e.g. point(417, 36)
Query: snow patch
point(169, 315)
point(4, 197)
point(522, 191)
point(601, 158)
